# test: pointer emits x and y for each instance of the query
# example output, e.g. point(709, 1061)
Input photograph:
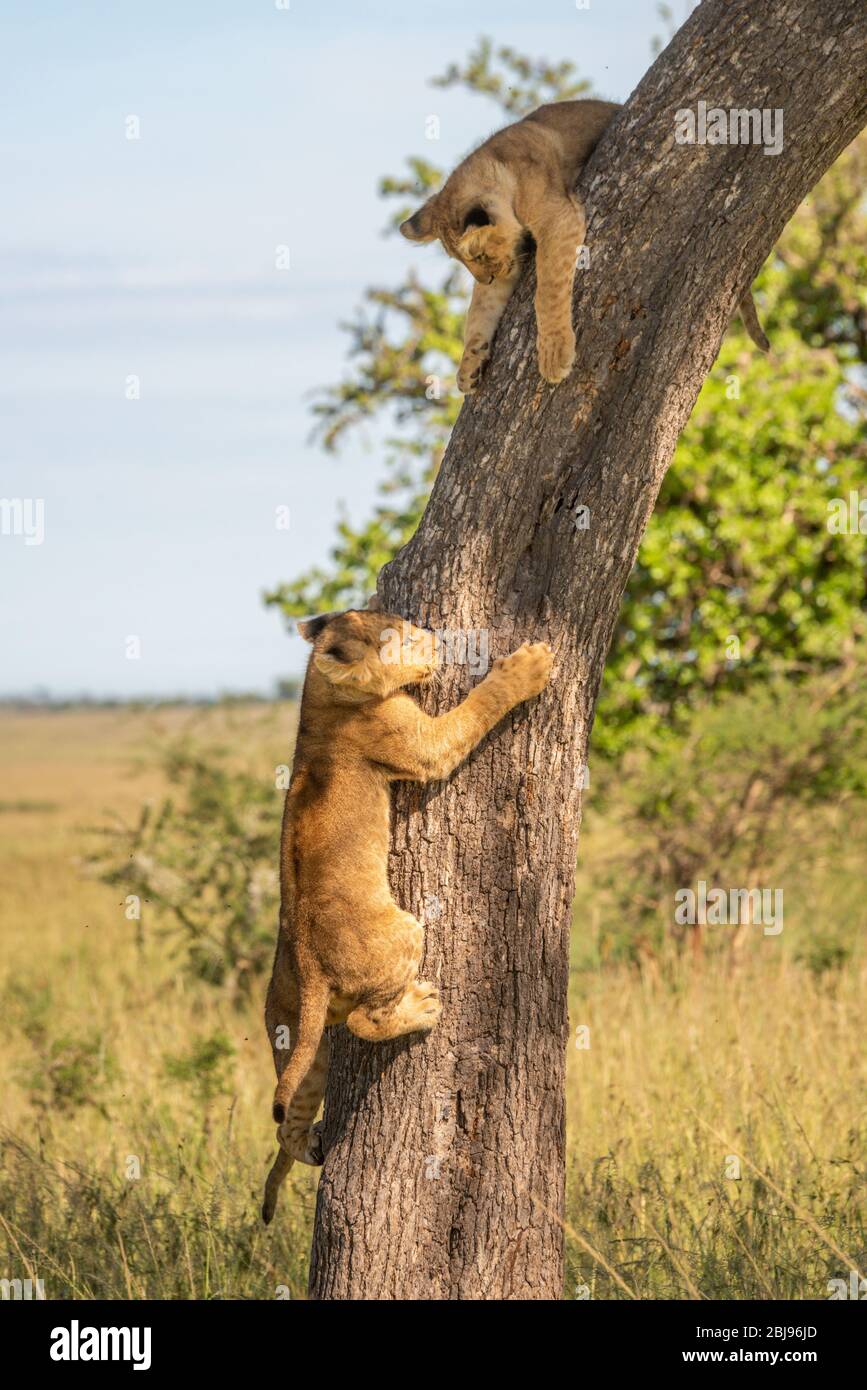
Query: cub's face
point(485, 237)
point(362, 655)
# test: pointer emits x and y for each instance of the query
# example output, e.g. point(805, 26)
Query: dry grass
point(92, 1008)
point(717, 1133)
point(99, 1081)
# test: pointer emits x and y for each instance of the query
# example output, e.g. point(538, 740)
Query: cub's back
point(578, 126)
point(336, 815)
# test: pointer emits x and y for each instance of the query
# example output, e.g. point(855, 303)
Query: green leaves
point(744, 796)
point(204, 861)
point(522, 84)
point(738, 576)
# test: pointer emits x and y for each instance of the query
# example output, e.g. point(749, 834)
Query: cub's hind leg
point(395, 1001)
point(298, 1135)
point(415, 1011)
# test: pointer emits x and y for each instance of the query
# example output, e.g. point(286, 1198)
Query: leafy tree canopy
point(739, 574)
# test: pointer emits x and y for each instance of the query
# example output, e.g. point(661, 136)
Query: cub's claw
point(315, 1147)
point(303, 1148)
point(470, 373)
point(424, 1004)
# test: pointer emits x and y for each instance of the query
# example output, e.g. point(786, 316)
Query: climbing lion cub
point(516, 189)
point(345, 951)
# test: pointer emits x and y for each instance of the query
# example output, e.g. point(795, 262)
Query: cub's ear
point(310, 628)
point(362, 676)
point(420, 227)
point(477, 217)
point(333, 667)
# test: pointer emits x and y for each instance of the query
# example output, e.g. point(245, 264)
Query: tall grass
point(717, 1133)
point(135, 1134)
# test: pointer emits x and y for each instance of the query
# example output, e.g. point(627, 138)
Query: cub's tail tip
point(278, 1110)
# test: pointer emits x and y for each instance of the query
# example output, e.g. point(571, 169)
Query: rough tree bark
point(444, 1173)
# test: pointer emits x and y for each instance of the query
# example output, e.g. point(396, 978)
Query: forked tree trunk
point(444, 1173)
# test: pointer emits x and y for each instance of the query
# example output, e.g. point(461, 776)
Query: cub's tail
point(750, 318)
point(312, 1012)
point(281, 1166)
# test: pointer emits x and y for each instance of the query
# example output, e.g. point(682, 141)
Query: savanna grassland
point(716, 1119)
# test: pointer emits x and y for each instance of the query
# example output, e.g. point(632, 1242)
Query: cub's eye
point(339, 653)
point(477, 217)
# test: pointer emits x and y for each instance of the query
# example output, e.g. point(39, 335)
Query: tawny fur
point(512, 192)
point(345, 951)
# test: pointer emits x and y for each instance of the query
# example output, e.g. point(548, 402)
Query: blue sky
point(155, 258)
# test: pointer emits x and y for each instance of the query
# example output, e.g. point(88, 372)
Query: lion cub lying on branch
point(345, 951)
point(517, 189)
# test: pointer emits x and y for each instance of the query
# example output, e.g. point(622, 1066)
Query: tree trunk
point(444, 1175)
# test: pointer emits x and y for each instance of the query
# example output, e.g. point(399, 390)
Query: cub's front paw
point(556, 355)
point(470, 371)
point(528, 669)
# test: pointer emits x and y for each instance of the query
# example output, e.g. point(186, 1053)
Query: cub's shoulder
point(569, 115)
point(576, 127)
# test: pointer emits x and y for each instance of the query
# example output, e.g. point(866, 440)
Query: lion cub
point(345, 951)
point(517, 189)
